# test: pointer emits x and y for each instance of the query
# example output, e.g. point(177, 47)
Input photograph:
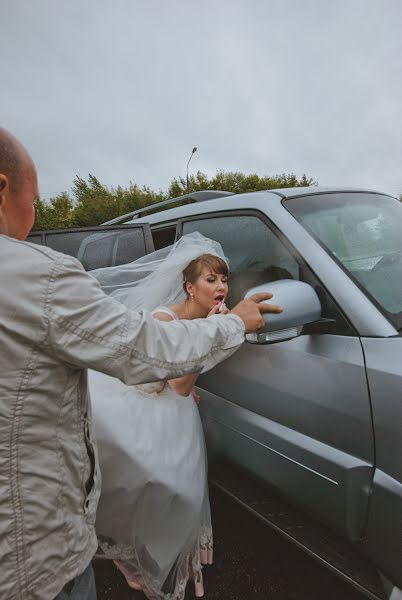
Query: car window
point(164, 236)
point(363, 232)
point(256, 254)
point(98, 247)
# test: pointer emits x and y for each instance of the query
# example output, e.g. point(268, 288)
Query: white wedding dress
point(153, 516)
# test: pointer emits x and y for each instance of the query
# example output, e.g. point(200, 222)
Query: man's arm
point(86, 328)
point(181, 385)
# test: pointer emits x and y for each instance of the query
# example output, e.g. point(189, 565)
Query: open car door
point(102, 246)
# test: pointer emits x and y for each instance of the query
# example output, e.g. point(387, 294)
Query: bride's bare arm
point(181, 385)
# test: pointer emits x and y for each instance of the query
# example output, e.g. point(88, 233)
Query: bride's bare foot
point(132, 583)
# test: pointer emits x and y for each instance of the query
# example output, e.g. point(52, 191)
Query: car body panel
point(310, 435)
point(384, 528)
point(384, 373)
point(383, 538)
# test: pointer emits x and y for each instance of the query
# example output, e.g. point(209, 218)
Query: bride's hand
point(195, 396)
point(219, 309)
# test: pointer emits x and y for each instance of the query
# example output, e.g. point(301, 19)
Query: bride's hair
point(194, 268)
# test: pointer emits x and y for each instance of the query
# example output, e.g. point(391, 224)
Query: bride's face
point(209, 289)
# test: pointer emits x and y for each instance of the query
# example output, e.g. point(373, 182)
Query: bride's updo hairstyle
point(194, 268)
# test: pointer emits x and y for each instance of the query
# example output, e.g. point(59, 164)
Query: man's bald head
point(18, 187)
point(12, 155)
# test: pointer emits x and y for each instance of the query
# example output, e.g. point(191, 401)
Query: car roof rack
point(195, 196)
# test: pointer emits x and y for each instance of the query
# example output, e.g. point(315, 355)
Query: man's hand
point(250, 311)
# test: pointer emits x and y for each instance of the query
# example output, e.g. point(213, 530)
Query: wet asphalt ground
point(252, 562)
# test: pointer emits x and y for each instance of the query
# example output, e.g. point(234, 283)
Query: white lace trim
point(190, 566)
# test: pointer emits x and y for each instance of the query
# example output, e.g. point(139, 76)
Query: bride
point(153, 517)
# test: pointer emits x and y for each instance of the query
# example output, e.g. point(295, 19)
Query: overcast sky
point(125, 89)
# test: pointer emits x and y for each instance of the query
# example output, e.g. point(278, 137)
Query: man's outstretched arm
point(89, 329)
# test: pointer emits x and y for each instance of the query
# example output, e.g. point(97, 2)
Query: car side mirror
point(300, 304)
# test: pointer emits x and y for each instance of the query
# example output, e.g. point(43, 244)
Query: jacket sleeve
point(87, 328)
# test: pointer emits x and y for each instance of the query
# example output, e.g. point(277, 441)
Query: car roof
point(245, 200)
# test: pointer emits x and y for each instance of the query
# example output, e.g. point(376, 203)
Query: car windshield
point(364, 232)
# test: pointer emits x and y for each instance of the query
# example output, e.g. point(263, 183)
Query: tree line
point(91, 203)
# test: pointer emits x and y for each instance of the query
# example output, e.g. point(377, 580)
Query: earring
point(192, 297)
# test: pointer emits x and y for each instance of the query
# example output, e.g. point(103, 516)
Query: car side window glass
point(98, 247)
point(256, 255)
point(163, 237)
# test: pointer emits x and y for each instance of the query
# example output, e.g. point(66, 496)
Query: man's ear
point(3, 183)
point(3, 189)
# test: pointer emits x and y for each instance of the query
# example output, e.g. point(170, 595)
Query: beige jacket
point(54, 323)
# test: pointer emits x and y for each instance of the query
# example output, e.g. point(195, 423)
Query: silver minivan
point(304, 423)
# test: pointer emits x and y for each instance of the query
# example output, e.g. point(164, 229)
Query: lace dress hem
point(190, 567)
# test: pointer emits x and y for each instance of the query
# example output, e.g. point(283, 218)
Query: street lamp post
point(193, 151)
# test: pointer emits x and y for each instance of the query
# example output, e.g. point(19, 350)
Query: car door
point(98, 247)
point(295, 413)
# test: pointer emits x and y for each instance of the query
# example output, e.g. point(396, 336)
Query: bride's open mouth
point(219, 299)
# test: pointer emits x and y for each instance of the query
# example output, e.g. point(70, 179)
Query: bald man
point(55, 322)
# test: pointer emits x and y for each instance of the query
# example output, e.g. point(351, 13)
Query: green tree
point(92, 203)
point(236, 182)
point(96, 204)
point(55, 214)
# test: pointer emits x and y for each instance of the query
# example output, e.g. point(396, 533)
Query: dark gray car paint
point(384, 530)
point(308, 434)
